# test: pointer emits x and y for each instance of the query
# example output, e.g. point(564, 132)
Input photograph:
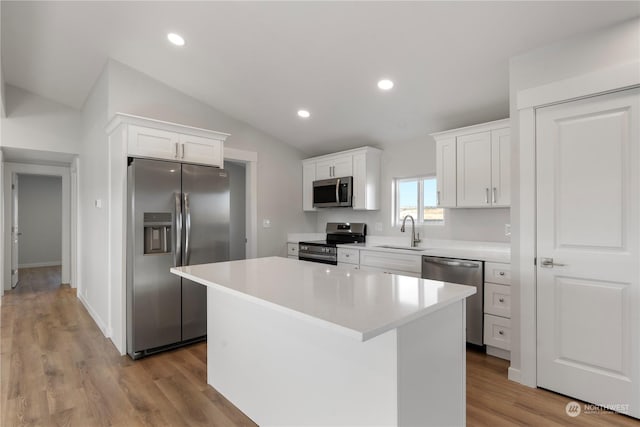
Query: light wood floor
point(57, 369)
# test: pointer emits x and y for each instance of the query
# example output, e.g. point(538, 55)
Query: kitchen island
point(299, 343)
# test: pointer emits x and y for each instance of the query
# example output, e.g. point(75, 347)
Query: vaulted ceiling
point(262, 61)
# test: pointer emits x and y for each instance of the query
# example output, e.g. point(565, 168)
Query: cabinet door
point(474, 170)
point(359, 197)
point(324, 169)
point(308, 176)
point(343, 166)
point(153, 143)
point(196, 149)
point(501, 167)
point(446, 172)
point(334, 167)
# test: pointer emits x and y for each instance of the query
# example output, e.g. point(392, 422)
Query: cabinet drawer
point(497, 299)
point(349, 266)
point(391, 261)
point(497, 332)
point(497, 273)
point(391, 271)
point(350, 256)
point(292, 250)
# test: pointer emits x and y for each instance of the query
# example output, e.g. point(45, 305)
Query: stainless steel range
point(325, 251)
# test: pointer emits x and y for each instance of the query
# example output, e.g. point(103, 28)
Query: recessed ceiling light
point(175, 39)
point(385, 84)
point(304, 114)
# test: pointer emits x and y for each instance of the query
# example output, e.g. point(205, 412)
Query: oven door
point(333, 192)
point(324, 259)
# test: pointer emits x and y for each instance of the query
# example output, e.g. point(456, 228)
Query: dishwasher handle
point(450, 263)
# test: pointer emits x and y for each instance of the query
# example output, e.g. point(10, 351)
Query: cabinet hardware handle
point(438, 197)
point(176, 156)
point(493, 195)
point(486, 195)
point(501, 300)
point(501, 332)
point(346, 255)
point(501, 273)
point(183, 151)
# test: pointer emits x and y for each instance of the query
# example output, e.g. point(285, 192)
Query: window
point(417, 197)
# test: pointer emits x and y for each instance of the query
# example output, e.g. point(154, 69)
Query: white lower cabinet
point(394, 263)
point(292, 250)
point(497, 309)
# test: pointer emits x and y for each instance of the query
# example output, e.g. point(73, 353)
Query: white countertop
point(479, 251)
point(472, 253)
point(359, 303)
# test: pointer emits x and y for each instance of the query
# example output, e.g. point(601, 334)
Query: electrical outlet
point(507, 230)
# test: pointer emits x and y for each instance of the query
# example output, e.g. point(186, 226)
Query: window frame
point(396, 221)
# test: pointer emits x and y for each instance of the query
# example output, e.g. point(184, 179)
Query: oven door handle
point(309, 257)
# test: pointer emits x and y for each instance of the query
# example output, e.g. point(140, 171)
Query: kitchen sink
point(404, 248)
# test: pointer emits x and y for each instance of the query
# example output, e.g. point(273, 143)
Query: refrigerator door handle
point(177, 255)
point(187, 234)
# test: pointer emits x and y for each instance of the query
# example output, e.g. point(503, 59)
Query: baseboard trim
point(96, 318)
point(514, 374)
point(40, 264)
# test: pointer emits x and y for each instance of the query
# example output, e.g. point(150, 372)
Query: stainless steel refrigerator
point(178, 214)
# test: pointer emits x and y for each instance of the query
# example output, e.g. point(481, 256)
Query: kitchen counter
point(328, 296)
point(478, 253)
point(298, 343)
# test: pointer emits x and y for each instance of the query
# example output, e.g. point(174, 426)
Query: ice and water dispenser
point(157, 233)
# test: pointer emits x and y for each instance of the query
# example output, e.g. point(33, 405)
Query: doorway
point(238, 209)
point(36, 223)
point(12, 173)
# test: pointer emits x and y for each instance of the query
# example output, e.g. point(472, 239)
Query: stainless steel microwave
point(333, 192)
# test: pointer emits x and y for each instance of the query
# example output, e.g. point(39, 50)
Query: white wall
point(40, 220)
point(579, 55)
point(37, 123)
point(279, 166)
point(415, 158)
point(93, 222)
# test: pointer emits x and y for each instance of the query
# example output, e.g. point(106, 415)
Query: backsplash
point(486, 225)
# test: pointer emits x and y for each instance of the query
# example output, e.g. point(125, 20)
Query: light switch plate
point(98, 203)
point(507, 229)
point(266, 223)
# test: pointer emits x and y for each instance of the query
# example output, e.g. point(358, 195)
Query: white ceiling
point(262, 61)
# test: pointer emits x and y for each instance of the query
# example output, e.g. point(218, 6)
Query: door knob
point(548, 263)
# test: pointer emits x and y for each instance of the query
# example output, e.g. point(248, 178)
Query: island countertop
point(358, 303)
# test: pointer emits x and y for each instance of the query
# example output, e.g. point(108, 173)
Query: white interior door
point(588, 215)
point(15, 231)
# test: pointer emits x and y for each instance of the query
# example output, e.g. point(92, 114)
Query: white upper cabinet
point(155, 139)
point(473, 166)
point(501, 167)
point(150, 142)
point(446, 172)
point(363, 164)
point(196, 149)
point(308, 176)
point(474, 169)
point(335, 167)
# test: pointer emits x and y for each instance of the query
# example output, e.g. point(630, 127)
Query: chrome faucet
point(414, 240)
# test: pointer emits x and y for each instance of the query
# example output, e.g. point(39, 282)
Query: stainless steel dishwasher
point(464, 272)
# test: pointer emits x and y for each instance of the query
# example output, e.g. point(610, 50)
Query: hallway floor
point(57, 369)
